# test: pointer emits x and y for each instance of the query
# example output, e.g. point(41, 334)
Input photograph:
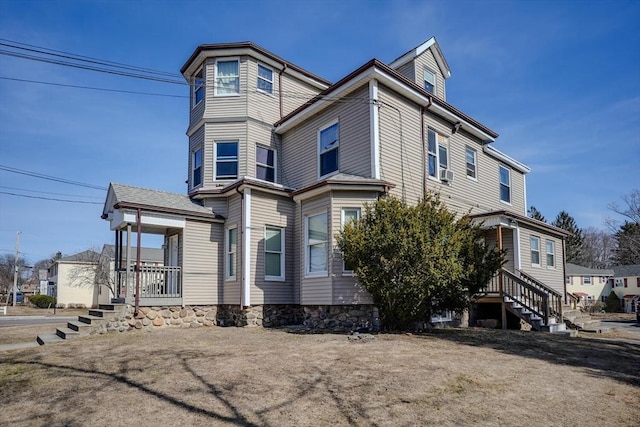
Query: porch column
point(246, 248)
point(127, 293)
point(503, 305)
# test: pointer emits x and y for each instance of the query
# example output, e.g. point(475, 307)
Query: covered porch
point(134, 213)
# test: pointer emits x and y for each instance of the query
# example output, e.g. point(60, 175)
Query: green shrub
point(613, 303)
point(42, 301)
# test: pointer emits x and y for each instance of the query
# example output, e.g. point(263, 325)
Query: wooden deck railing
point(528, 292)
point(155, 281)
point(573, 300)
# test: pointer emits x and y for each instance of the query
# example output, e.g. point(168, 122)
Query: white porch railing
point(155, 282)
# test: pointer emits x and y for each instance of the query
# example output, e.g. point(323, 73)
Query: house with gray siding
point(279, 159)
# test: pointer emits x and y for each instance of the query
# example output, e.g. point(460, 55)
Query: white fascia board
point(331, 187)
point(121, 218)
point(448, 115)
point(413, 53)
point(506, 159)
point(320, 105)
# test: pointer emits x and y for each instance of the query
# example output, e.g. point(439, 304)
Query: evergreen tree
point(574, 243)
point(536, 214)
point(627, 238)
point(417, 260)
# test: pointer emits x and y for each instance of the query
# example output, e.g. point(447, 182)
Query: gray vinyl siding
point(314, 290)
point(401, 150)
point(409, 71)
point(491, 240)
point(403, 160)
point(552, 277)
point(215, 132)
point(263, 136)
point(271, 210)
point(201, 263)
point(196, 141)
point(219, 206)
point(295, 93)
point(232, 288)
point(226, 106)
point(345, 287)
point(427, 61)
point(300, 145)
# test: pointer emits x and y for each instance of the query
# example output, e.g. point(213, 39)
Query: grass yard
point(261, 377)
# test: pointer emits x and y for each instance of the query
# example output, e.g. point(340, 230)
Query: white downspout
point(246, 248)
point(374, 124)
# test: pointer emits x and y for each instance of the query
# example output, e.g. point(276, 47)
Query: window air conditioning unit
point(446, 175)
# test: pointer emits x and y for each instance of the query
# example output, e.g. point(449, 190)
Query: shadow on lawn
point(604, 358)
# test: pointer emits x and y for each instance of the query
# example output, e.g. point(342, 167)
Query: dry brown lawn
point(261, 377)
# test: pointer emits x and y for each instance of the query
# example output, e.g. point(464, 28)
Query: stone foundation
point(341, 318)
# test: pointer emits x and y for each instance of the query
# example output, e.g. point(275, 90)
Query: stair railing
point(555, 297)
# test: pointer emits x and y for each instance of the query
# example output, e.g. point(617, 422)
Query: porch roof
point(523, 219)
point(120, 196)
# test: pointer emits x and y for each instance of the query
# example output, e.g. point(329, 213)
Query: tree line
point(618, 244)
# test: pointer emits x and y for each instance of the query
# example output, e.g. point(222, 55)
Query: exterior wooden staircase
point(88, 324)
point(529, 300)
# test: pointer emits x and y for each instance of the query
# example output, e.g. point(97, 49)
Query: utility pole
point(15, 269)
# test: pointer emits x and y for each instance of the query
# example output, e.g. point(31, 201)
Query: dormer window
point(198, 87)
point(227, 78)
point(429, 81)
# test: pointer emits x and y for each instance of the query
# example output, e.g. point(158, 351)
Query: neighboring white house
point(589, 285)
point(72, 279)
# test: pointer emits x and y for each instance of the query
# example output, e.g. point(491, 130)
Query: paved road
point(628, 326)
point(33, 320)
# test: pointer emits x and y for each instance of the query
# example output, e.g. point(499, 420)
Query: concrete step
point(79, 327)
point(90, 320)
point(554, 328)
point(99, 312)
point(110, 307)
point(48, 339)
point(66, 333)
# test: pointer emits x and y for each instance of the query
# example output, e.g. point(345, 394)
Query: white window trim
point(307, 265)
point(215, 161)
point(447, 316)
point(435, 79)
point(500, 185)
point(587, 281)
point(193, 167)
point(438, 135)
point(262, 78)
point(227, 252)
point(346, 272)
point(195, 88)
point(280, 278)
point(215, 78)
point(531, 251)
point(320, 152)
point(475, 163)
point(553, 253)
point(275, 163)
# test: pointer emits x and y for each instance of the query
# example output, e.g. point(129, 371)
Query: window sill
point(316, 275)
point(470, 178)
point(273, 279)
point(506, 203)
point(535, 265)
point(226, 95)
point(265, 93)
point(230, 279)
point(348, 274)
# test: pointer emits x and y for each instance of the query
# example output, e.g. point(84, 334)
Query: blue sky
point(558, 80)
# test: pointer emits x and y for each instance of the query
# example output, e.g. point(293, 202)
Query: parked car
point(18, 297)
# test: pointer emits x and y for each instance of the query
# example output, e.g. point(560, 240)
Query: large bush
point(613, 303)
point(42, 301)
point(417, 260)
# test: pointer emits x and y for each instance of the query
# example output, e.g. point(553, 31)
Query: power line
point(62, 54)
point(50, 198)
point(48, 192)
point(50, 178)
point(93, 88)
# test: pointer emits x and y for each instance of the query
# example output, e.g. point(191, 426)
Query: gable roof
point(375, 69)
point(419, 50)
point(541, 225)
point(578, 270)
point(84, 256)
point(626, 270)
point(126, 196)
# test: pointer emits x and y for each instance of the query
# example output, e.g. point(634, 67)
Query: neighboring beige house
point(589, 285)
point(626, 284)
point(279, 159)
point(72, 279)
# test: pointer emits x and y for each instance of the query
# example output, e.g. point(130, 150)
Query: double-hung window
point(429, 81)
point(226, 160)
point(273, 253)
point(505, 185)
point(328, 149)
point(471, 158)
point(317, 243)
point(348, 215)
point(198, 87)
point(586, 280)
point(231, 249)
point(265, 79)
point(227, 78)
point(196, 178)
point(437, 153)
point(535, 250)
point(265, 164)
point(551, 253)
